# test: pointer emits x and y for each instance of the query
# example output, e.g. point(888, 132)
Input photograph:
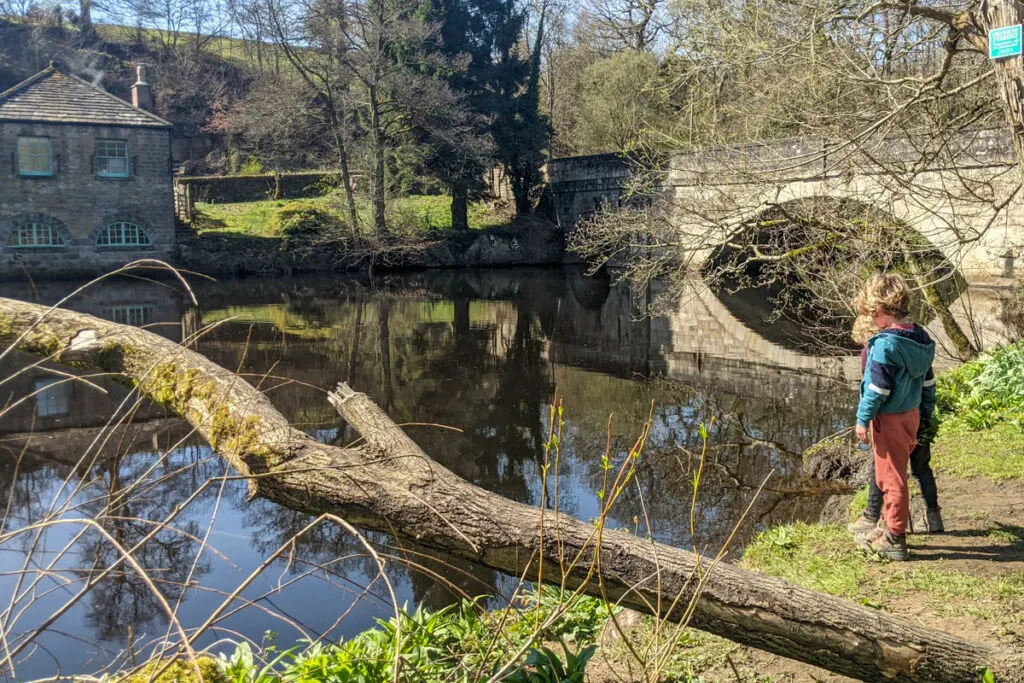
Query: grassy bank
point(270, 218)
point(969, 580)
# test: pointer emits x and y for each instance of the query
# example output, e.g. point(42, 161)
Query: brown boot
point(882, 543)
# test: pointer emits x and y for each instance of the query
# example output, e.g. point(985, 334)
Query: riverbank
point(524, 242)
point(968, 580)
point(313, 235)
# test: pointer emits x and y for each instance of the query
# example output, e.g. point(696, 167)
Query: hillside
point(191, 82)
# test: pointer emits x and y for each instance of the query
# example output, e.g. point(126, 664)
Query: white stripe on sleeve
point(879, 390)
point(929, 382)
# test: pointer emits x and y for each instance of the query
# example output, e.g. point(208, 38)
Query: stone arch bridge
point(961, 194)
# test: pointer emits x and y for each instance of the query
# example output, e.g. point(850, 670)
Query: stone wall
point(527, 242)
point(79, 203)
point(580, 186)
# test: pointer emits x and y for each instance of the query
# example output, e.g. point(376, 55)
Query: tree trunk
point(460, 207)
point(88, 31)
point(388, 484)
point(964, 348)
point(337, 123)
point(520, 182)
point(380, 225)
point(1009, 72)
point(384, 347)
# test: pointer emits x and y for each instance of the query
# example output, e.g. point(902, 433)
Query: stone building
point(85, 177)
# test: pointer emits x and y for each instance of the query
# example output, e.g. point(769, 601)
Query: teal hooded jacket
point(898, 375)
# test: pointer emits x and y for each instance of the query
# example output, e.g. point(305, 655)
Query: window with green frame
point(112, 158)
point(122, 234)
point(35, 156)
point(35, 234)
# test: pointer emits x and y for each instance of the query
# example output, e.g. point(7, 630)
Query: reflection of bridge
point(700, 343)
point(947, 195)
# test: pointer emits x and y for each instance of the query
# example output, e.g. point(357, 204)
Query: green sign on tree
point(1004, 42)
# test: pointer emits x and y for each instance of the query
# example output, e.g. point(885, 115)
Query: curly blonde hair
point(864, 328)
point(883, 294)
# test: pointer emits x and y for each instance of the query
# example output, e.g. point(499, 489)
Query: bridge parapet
point(819, 157)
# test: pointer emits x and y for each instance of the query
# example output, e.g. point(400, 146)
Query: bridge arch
point(809, 255)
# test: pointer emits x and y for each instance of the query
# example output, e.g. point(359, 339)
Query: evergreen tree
point(484, 36)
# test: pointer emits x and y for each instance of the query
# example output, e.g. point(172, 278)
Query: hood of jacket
point(902, 351)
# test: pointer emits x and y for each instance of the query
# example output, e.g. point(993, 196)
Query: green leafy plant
point(302, 218)
point(243, 666)
point(543, 665)
point(252, 166)
point(581, 616)
point(987, 391)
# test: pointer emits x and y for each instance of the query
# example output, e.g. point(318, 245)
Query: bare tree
point(392, 62)
point(294, 28)
point(628, 24)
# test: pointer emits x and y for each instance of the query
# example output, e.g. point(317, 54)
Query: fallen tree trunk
point(387, 483)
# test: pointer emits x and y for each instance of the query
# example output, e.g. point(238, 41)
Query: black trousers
point(922, 471)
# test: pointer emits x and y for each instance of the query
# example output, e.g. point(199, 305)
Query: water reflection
point(480, 351)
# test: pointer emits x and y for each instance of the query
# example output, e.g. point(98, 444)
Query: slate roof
point(55, 96)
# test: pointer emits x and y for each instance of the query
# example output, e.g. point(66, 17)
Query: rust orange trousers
point(893, 437)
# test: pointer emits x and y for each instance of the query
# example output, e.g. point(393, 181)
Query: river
point(472, 358)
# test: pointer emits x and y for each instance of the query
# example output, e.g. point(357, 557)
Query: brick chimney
point(142, 92)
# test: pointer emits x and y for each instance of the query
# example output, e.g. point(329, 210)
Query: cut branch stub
point(389, 484)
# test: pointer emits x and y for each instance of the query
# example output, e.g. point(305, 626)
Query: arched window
point(35, 234)
point(122, 234)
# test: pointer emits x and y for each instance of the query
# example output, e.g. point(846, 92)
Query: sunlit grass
point(819, 557)
point(823, 558)
point(420, 213)
point(996, 453)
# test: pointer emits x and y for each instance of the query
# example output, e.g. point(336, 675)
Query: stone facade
point(75, 200)
point(580, 186)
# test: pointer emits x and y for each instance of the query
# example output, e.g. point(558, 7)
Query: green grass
point(405, 214)
point(251, 219)
point(823, 558)
point(858, 503)
point(819, 557)
point(235, 50)
point(996, 452)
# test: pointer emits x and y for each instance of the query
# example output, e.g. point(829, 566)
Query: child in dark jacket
point(920, 458)
point(897, 394)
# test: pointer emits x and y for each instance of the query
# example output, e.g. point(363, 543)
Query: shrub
point(251, 167)
point(447, 644)
point(297, 219)
point(180, 671)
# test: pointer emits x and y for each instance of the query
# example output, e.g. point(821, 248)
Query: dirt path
point(984, 528)
point(984, 538)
